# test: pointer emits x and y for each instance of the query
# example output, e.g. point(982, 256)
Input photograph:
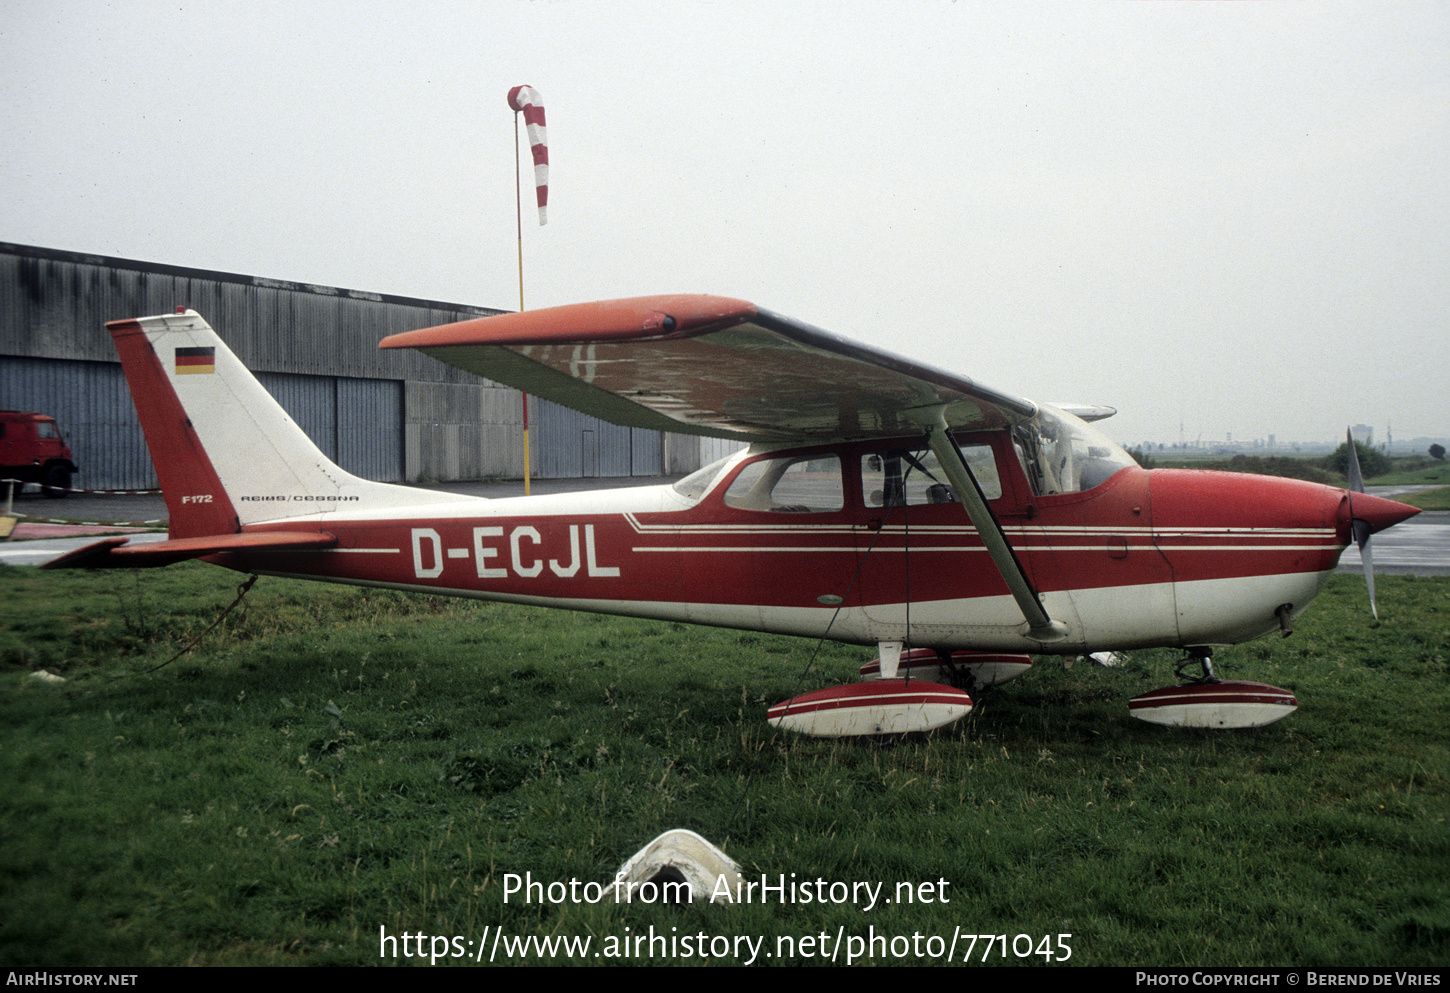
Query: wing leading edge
point(712, 366)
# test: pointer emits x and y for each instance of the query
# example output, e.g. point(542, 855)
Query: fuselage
point(867, 525)
point(864, 543)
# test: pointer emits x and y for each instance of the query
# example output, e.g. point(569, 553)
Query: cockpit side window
point(902, 478)
point(789, 486)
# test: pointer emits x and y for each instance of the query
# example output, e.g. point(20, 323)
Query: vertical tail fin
point(226, 453)
point(195, 498)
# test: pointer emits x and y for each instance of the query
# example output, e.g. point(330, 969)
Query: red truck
point(32, 451)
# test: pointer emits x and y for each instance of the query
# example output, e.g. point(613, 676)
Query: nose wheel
point(1202, 700)
point(1201, 657)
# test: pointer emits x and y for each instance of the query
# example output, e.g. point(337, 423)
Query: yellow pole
point(519, 219)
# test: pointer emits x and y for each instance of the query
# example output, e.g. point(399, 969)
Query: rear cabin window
point(900, 478)
point(696, 483)
point(789, 486)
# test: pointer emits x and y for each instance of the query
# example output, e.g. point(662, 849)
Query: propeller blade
point(1361, 535)
point(1356, 481)
point(1360, 528)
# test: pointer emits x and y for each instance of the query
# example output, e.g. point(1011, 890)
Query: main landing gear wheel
point(1205, 701)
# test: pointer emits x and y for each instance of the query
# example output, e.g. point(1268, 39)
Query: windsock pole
point(526, 100)
point(519, 218)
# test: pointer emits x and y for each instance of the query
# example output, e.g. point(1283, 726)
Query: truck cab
point(33, 451)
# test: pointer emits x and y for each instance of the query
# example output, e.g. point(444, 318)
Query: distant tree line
point(1372, 461)
point(1313, 470)
point(1142, 457)
point(1331, 470)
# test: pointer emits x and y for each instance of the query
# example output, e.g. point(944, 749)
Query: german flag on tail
point(193, 361)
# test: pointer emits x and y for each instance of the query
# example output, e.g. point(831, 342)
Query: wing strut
point(1040, 627)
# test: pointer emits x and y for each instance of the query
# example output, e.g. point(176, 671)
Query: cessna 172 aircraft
point(881, 502)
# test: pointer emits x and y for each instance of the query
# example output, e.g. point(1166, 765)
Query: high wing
point(727, 368)
point(714, 366)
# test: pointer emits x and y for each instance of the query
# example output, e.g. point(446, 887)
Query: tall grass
point(337, 761)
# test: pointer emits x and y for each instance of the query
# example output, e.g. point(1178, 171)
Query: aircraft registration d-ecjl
point(880, 502)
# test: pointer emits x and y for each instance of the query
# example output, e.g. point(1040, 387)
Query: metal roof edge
point(165, 269)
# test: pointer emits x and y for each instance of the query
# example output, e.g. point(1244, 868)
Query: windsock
point(527, 99)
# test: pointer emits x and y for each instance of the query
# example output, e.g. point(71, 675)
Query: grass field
point(1438, 473)
point(1438, 499)
point(333, 763)
point(1309, 467)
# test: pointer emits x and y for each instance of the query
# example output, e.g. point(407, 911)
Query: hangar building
point(390, 416)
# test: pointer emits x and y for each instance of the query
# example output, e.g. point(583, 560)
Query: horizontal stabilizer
point(117, 553)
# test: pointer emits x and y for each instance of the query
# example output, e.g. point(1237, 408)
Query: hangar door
point(569, 445)
point(358, 423)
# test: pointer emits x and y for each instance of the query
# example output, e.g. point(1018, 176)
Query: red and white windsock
point(527, 99)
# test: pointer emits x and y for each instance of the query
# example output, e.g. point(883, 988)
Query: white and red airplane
point(880, 502)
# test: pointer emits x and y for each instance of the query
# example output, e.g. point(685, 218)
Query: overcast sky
point(1229, 216)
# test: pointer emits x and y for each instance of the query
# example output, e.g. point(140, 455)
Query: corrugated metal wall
point(56, 305)
point(370, 437)
point(382, 415)
point(646, 452)
point(358, 423)
point(92, 405)
point(311, 401)
point(686, 453)
point(567, 445)
point(463, 431)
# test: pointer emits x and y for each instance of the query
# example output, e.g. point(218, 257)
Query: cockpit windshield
point(1063, 454)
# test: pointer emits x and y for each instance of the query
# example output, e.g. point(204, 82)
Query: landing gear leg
point(1203, 658)
point(954, 675)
